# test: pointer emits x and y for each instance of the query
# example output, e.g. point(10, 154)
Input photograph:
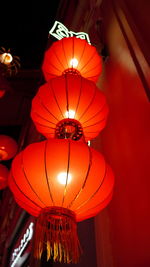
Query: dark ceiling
point(24, 29)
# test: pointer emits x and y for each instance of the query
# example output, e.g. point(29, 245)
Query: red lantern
point(8, 147)
point(3, 176)
point(61, 182)
point(72, 54)
point(69, 104)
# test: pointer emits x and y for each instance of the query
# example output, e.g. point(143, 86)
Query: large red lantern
point(72, 55)
point(8, 147)
point(3, 176)
point(62, 182)
point(69, 103)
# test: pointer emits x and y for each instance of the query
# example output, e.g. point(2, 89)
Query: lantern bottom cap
point(70, 129)
point(71, 71)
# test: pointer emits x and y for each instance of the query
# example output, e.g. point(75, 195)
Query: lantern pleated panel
point(34, 210)
point(8, 147)
point(72, 54)
point(61, 178)
point(69, 97)
point(3, 176)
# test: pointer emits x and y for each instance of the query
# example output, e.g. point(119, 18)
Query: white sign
point(23, 243)
point(59, 31)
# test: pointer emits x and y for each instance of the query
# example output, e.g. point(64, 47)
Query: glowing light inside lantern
point(70, 114)
point(63, 178)
point(74, 62)
point(6, 58)
point(89, 143)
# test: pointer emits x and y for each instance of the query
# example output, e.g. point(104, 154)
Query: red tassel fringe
point(56, 232)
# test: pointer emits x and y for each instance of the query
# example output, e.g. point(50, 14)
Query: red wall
point(123, 229)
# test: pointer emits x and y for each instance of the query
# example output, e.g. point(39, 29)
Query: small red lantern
point(8, 147)
point(3, 176)
point(69, 105)
point(61, 182)
point(72, 55)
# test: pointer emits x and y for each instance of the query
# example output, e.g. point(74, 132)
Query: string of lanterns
point(62, 180)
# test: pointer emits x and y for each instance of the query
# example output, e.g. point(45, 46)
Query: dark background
point(24, 29)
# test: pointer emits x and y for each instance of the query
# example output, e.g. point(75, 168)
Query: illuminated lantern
point(61, 182)
point(6, 58)
point(8, 63)
point(8, 147)
point(3, 176)
point(72, 55)
point(69, 104)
